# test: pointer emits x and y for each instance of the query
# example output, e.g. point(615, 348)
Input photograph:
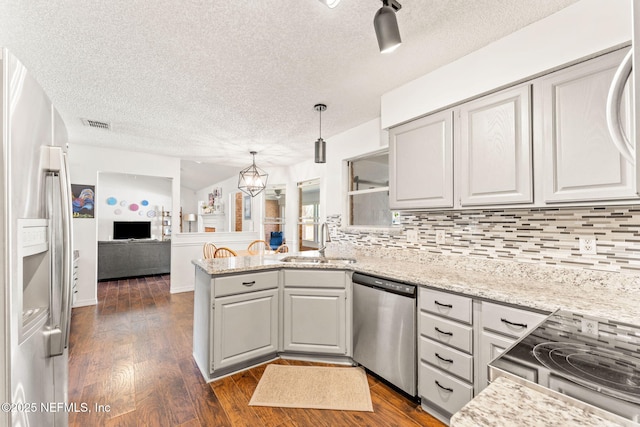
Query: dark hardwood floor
point(132, 352)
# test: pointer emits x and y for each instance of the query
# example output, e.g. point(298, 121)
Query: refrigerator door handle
point(57, 163)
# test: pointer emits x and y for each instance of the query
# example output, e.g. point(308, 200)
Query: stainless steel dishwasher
point(384, 329)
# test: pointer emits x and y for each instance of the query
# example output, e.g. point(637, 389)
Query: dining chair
point(258, 246)
point(282, 249)
point(208, 250)
point(276, 239)
point(224, 253)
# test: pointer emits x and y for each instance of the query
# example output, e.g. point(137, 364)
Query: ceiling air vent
point(96, 124)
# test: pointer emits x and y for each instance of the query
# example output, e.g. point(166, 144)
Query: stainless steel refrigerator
point(36, 253)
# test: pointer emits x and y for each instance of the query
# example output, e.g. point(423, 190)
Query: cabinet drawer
point(445, 391)
point(315, 279)
point(446, 358)
point(447, 332)
point(242, 283)
point(445, 304)
point(510, 321)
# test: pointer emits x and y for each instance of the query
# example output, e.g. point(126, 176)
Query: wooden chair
point(258, 247)
point(282, 249)
point(208, 250)
point(224, 253)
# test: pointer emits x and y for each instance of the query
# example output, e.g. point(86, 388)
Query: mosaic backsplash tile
point(538, 235)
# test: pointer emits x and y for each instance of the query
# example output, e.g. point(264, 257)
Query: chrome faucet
point(325, 237)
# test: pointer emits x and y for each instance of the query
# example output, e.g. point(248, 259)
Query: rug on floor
point(315, 387)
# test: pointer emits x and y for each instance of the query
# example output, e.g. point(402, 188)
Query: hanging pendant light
point(252, 179)
point(321, 145)
point(386, 26)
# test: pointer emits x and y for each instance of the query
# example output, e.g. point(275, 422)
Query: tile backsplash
point(539, 235)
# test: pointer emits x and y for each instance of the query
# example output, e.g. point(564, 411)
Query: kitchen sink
point(317, 260)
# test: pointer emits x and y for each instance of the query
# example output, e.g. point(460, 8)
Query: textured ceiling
point(211, 80)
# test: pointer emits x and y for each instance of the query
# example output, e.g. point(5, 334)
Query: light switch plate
point(440, 237)
point(412, 236)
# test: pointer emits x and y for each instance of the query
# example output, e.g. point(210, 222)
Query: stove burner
point(606, 371)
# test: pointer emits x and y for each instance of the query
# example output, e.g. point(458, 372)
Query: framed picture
point(82, 200)
point(247, 207)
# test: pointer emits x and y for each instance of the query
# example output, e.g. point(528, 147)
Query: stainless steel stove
point(600, 366)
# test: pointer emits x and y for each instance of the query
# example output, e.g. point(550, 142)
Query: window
point(368, 191)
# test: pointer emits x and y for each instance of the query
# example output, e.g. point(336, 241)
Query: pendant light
point(321, 145)
point(252, 179)
point(386, 26)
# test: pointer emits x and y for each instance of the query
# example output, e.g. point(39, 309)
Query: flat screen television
point(131, 230)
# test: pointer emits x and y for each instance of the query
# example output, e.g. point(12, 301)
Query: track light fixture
point(321, 145)
point(386, 26)
point(252, 179)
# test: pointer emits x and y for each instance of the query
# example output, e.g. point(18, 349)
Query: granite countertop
point(612, 296)
point(605, 295)
point(504, 401)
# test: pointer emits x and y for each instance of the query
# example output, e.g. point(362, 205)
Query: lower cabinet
point(445, 350)
point(315, 312)
point(245, 327)
point(458, 338)
point(315, 320)
point(235, 321)
point(244, 319)
point(501, 326)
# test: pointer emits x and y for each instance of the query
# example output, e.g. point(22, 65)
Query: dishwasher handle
point(386, 285)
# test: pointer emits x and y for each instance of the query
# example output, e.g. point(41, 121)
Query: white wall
point(86, 162)
point(128, 189)
point(580, 30)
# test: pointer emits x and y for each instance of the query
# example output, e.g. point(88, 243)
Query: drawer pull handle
point(443, 359)
point(443, 305)
point(443, 332)
point(251, 283)
point(450, 390)
point(521, 325)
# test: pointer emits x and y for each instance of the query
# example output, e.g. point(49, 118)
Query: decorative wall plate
point(117, 211)
point(144, 203)
point(123, 203)
point(133, 207)
point(111, 201)
point(151, 214)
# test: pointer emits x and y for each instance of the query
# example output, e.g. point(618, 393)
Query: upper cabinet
point(421, 163)
point(581, 162)
point(495, 149)
point(549, 134)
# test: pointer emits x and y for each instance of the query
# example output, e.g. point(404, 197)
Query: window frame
point(348, 174)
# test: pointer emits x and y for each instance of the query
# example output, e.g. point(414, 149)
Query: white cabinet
point(315, 312)
point(445, 350)
point(421, 163)
point(315, 320)
point(484, 152)
point(580, 161)
point(495, 149)
point(236, 321)
point(245, 327)
point(501, 326)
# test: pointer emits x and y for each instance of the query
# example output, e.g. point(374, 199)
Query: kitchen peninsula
point(534, 288)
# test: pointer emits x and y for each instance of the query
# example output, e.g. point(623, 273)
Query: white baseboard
point(180, 289)
point(85, 302)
